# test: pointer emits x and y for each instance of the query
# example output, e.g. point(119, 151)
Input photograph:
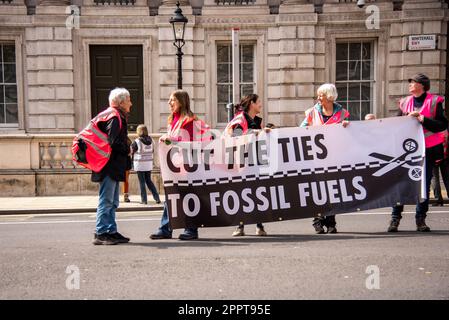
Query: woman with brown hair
point(182, 125)
point(244, 122)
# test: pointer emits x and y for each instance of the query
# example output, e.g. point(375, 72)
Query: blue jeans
point(145, 178)
point(165, 227)
point(421, 207)
point(107, 204)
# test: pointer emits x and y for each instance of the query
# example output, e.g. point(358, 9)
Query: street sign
point(422, 42)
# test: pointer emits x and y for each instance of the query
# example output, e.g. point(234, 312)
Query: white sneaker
point(260, 232)
point(238, 232)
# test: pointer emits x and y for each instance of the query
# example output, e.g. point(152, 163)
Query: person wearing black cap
point(428, 109)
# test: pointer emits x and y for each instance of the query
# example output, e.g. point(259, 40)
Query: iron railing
point(235, 2)
point(115, 2)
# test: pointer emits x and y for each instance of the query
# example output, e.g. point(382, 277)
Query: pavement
point(51, 256)
point(68, 204)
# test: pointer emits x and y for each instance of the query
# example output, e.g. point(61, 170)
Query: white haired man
point(326, 112)
point(113, 122)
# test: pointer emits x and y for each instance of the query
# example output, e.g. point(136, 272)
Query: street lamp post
point(178, 21)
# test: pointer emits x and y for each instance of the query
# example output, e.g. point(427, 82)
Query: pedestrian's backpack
point(90, 148)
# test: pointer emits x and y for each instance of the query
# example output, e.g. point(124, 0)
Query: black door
point(114, 66)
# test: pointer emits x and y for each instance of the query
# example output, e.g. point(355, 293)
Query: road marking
point(74, 221)
point(157, 219)
point(383, 212)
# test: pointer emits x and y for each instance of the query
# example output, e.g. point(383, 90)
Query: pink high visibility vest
point(239, 119)
point(428, 110)
point(314, 117)
point(98, 150)
point(201, 131)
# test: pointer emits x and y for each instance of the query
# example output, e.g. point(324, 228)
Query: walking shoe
point(421, 225)
point(160, 235)
point(143, 202)
point(331, 229)
point(318, 227)
point(260, 232)
point(119, 237)
point(188, 236)
point(394, 225)
point(104, 238)
point(126, 197)
point(238, 232)
point(158, 201)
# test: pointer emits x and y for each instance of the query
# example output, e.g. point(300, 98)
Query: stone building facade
point(59, 59)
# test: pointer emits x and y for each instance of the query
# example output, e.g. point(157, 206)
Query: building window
point(224, 75)
point(8, 86)
point(354, 77)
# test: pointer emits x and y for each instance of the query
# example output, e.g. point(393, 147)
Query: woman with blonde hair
point(142, 151)
point(325, 112)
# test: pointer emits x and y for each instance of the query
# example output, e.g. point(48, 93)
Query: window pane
point(11, 94)
point(223, 53)
point(366, 51)
point(246, 89)
point(223, 73)
point(367, 73)
point(1, 72)
point(10, 73)
point(11, 113)
point(366, 91)
point(247, 72)
point(354, 70)
point(354, 110)
point(2, 113)
point(1, 53)
point(2, 92)
point(246, 53)
point(342, 51)
point(354, 51)
point(341, 90)
point(342, 71)
point(9, 53)
point(365, 109)
point(222, 113)
point(354, 91)
point(223, 93)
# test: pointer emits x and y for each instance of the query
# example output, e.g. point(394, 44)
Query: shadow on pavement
point(284, 238)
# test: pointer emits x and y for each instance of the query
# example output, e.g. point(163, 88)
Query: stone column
point(31, 6)
point(197, 6)
point(154, 7)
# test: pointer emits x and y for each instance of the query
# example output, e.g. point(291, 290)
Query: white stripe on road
point(74, 221)
point(157, 219)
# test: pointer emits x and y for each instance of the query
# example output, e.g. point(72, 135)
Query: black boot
point(394, 225)
point(318, 225)
point(421, 225)
point(438, 202)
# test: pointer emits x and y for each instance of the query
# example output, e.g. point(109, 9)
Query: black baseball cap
point(421, 78)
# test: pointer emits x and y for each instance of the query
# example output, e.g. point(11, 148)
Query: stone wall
point(294, 55)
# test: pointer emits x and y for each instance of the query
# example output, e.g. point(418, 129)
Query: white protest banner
point(293, 173)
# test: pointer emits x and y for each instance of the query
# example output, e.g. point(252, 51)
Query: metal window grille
point(224, 75)
point(354, 77)
point(8, 86)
